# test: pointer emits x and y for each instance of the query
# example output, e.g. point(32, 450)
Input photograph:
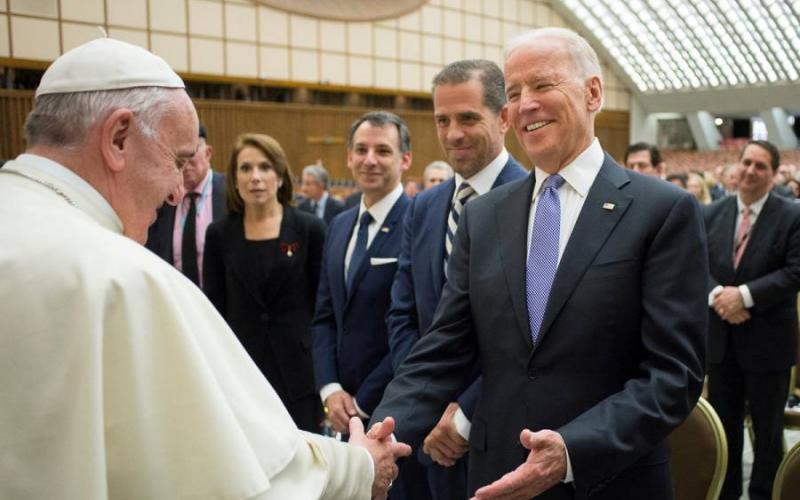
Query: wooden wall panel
point(306, 132)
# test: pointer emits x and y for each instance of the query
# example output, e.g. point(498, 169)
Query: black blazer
point(274, 327)
point(620, 358)
point(332, 208)
point(159, 235)
point(770, 267)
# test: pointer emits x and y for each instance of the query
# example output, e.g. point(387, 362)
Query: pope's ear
point(115, 138)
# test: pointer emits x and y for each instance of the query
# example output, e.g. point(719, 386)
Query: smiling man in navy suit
point(468, 101)
point(352, 364)
point(580, 291)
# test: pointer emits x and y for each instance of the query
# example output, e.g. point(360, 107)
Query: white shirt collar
point(381, 209)
point(580, 173)
point(755, 207)
point(85, 197)
point(483, 181)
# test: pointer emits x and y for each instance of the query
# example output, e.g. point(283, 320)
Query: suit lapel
point(340, 238)
point(593, 227)
point(728, 229)
point(289, 237)
point(758, 233)
point(435, 227)
point(388, 227)
point(512, 231)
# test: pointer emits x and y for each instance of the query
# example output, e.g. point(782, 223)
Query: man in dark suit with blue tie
point(754, 257)
point(179, 232)
point(581, 292)
point(468, 101)
point(352, 364)
point(318, 199)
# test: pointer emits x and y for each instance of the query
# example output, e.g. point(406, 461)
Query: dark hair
point(277, 162)
point(486, 72)
point(382, 119)
point(770, 148)
point(682, 178)
point(655, 154)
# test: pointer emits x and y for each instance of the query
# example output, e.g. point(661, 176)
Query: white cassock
point(119, 380)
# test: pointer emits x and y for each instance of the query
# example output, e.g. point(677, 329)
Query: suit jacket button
point(533, 374)
point(264, 317)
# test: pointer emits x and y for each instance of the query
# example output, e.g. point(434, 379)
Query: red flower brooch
point(289, 248)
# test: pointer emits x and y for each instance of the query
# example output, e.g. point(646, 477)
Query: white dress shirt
point(755, 209)
point(379, 211)
point(483, 181)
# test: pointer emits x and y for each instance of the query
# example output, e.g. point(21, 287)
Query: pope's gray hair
point(64, 120)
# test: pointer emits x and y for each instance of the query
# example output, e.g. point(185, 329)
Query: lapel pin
point(608, 206)
point(385, 229)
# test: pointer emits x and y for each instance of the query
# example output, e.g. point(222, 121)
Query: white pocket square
point(379, 261)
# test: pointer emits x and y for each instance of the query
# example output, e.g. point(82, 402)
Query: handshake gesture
point(384, 451)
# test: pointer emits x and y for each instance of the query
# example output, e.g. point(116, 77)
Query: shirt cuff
point(361, 413)
point(329, 389)
point(462, 423)
point(568, 476)
point(747, 297)
point(717, 289)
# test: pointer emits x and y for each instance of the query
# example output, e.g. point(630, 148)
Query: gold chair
point(787, 480)
point(699, 455)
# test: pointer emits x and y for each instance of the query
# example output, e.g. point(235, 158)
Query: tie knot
point(746, 211)
point(366, 219)
point(554, 181)
point(464, 191)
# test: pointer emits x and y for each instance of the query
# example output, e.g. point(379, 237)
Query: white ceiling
point(725, 56)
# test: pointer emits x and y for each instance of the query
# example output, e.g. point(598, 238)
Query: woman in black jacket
point(261, 269)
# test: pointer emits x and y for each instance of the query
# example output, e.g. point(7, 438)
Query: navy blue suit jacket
point(159, 235)
point(349, 334)
point(420, 274)
point(619, 360)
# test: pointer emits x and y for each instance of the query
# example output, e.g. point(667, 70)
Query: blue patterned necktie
point(360, 250)
point(543, 256)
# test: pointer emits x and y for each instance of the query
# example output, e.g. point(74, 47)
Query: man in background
point(754, 256)
point(179, 233)
point(468, 100)
point(436, 173)
point(118, 377)
point(318, 200)
point(646, 159)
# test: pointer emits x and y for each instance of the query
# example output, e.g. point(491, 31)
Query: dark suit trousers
point(729, 386)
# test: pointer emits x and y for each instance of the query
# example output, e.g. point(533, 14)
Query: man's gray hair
point(438, 165)
point(583, 55)
point(63, 120)
point(319, 173)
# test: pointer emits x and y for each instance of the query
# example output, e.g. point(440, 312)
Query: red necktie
point(742, 237)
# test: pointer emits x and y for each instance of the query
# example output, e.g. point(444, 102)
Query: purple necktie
point(543, 256)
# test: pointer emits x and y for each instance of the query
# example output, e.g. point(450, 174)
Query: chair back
point(699, 455)
point(787, 480)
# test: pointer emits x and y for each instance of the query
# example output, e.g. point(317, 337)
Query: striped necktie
point(463, 195)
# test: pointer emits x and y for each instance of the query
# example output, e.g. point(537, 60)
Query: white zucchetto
point(107, 64)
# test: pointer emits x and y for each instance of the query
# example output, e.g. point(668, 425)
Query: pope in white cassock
point(118, 379)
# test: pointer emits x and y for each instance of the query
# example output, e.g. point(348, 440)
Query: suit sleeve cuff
point(329, 389)
point(361, 413)
point(568, 478)
point(747, 297)
point(462, 423)
point(713, 294)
